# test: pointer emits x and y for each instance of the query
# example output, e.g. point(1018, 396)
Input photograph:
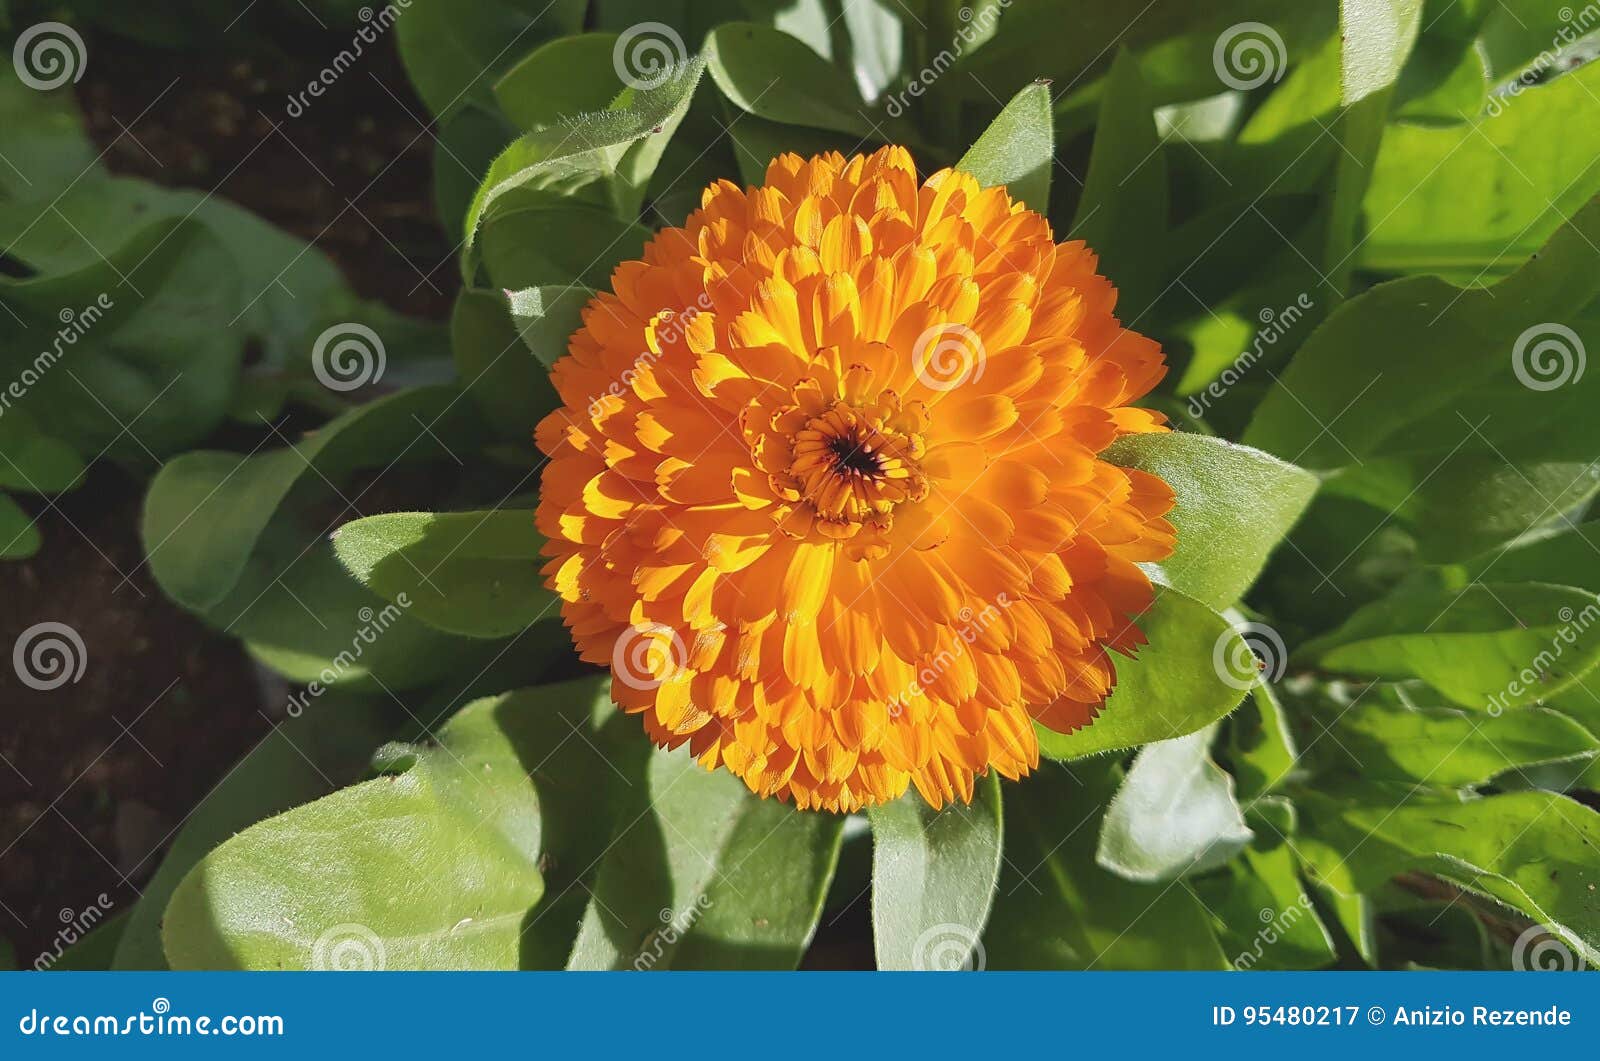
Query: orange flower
point(824, 492)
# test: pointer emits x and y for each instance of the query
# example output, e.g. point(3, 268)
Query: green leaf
point(1570, 558)
point(1174, 815)
point(42, 139)
point(544, 169)
point(432, 865)
point(1122, 212)
point(1378, 36)
point(564, 76)
point(1261, 913)
point(1487, 646)
point(1477, 200)
point(1018, 149)
point(206, 511)
point(1533, 851)
point(1225, 494)
point(703, 875)
point(933, 879)
point(94, 951)
point(303, 758)
point(469, 573)
point(1262, 750)
point(454, 53)
point(1057, 909)
point(31, 462)
point(1459, 433)
point(548, 316)
point(767, 73)
point(1173, 687)
point(512, 388)
point(19, 536)
point(1447, 748)
point(133, 354)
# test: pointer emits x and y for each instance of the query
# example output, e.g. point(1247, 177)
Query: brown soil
point(97, 774)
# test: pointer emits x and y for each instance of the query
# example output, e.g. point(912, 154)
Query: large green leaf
point(547, 317)
point(1174, 815)
point(1448, 748)
point(703, 875)
point(511, 387)
point(303, 758)
point(1174, 687)
point(1461, 410)
point(1533, 851)
point(1234, 505)
point(771, 75)
point(1569, 558)
point(434, 864)
point(32, 462)
point(1488, 646)
point(1262, 914)
point(933, 879)
point(1018, 149)
point(206, 511)
point(1477, 200)
point(453, 53)
point(1057, 909)
point(469, 573)
point(1262, 750)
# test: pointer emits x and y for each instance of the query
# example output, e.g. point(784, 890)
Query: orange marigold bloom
point(824, 492)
